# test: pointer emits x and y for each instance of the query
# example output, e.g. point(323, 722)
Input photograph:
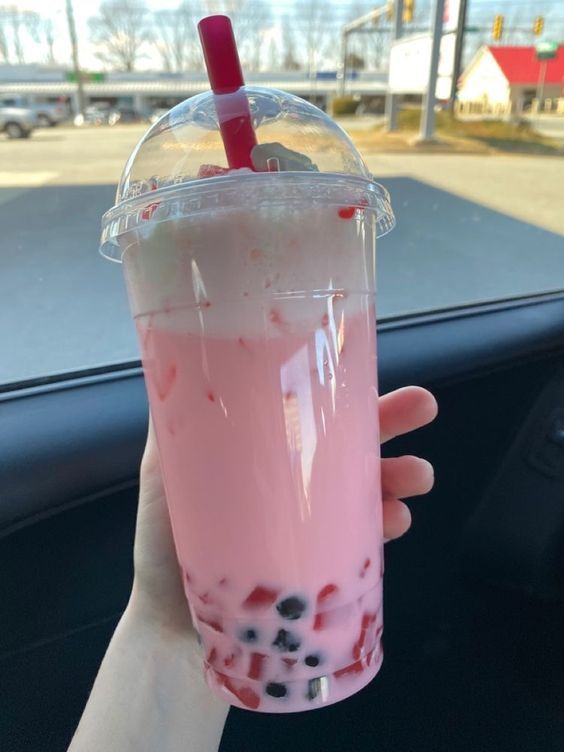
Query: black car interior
point(474, 593)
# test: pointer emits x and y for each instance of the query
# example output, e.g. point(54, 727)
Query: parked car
point(125, 115)
point(17, 122)
point(47, 114)
point(157, 114)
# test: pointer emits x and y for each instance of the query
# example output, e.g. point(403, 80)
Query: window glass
point(478, 202)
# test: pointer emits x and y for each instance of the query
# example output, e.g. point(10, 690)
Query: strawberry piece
point(255, 669)
point(165, 382)
point(346, 212)
point(368, 619)
point(318, 622)
point(261, 598)
point(326, 592)
point(209, 171)
point(354, 668)
point(245, 695)
point(211, 396)
point(365, 567)
point(149, 210)
point(230, 660)
point(290, 662)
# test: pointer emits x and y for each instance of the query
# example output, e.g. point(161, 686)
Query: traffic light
point(497, 28)
point(408, 9)
point(538, 26)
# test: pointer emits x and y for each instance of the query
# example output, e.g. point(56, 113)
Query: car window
point(478, 201)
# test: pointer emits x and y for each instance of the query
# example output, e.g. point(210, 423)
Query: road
point(470, 229)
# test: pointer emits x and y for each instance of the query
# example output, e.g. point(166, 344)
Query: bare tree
point(42, 32)
point(120, 31)
point(290, 59)
point(174, 36)
point(313, 20)
point(4, 45)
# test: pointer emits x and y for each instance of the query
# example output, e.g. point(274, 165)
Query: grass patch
point(500, 134)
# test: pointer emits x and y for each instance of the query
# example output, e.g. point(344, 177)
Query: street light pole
point(428, 115)
point(392, 100)
point(75, 62)
point(458, 49)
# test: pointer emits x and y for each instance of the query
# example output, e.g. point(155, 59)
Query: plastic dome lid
point(185, 146)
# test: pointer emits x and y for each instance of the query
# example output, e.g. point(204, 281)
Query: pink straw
point(226, 78)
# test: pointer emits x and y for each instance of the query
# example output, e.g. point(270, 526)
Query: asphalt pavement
point(462, 237)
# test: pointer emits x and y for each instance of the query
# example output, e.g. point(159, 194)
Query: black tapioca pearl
point(312, 660)
point(286, 641)
point(275, 689)
point(292, 607)
point(248, 635)
point(313, 688)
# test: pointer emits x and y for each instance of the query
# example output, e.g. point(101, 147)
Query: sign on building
point(410, 58)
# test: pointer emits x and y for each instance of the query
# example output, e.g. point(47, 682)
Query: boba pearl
point(291, 608)
point(312, 660)
point(275, 689)
point(248, 635)
point(286, 641)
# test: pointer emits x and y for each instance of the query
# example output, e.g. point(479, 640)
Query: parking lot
point(470, 228)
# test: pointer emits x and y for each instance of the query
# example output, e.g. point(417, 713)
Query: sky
point(521, 12)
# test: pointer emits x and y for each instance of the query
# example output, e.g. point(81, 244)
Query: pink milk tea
point(254, 305)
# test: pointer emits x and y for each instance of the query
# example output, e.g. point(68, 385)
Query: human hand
point(158, 593)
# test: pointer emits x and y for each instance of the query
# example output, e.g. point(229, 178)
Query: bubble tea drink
point(252, 288)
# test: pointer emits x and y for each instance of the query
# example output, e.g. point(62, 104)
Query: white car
point(17, 122)
point(47, 114)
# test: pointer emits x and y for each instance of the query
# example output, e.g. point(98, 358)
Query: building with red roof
point(505, 80)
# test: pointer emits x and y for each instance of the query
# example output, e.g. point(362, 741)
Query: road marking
point(10, 179)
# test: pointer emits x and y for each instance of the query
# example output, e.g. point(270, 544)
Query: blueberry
point(291, 608)
point(248, 635)
point(286, 641)
point(313, 688)
point(274, 689)
point(312, 660)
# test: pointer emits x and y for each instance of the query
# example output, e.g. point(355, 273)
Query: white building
point(506, 80)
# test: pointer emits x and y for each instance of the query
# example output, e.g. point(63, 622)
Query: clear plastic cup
point(253, 297)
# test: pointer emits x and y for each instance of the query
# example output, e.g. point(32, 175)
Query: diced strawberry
point(346, 212)
point(365, 567)
point(209, 171)
point(165, 382)
point(326, 592)
point(368, 619)
point(229, 661)
point(245, 695)
point(319, 622)
point(255, 669)
point(211, 396)
point(354, 668)
point(290, 662)
point(261, 598)
point(149, 210)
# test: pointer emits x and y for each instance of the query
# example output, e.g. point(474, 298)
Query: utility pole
point(75, 63)
point(392, 100)
point(428, 115)
point(458, 50)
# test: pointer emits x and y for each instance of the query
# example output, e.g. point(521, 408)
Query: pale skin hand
point(154, 652)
